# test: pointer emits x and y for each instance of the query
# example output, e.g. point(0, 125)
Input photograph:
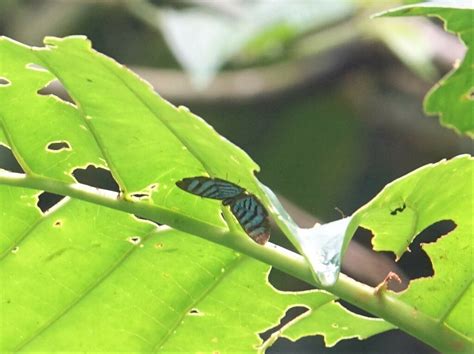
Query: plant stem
point(382, 304)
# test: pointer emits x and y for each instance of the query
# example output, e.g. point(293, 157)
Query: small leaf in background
point(452, 97)
point(408, 43)
point(407, 206)
point(203, 39)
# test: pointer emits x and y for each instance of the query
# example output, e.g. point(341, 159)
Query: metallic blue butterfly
point(246, 207)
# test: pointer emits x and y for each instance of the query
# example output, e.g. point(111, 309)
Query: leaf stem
point(383, 304)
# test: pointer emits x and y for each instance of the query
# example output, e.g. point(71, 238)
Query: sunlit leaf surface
point(437, 192)
point(452, 97)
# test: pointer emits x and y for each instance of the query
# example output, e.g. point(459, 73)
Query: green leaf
point(408, 43)
point(452, 97)
point(117, 118)
point(134, 117)
point(433, 193)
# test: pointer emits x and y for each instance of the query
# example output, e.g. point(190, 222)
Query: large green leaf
point(117, 118)
point(119, 123)
point(442, 191)
point(452, 97)
point(88, 278)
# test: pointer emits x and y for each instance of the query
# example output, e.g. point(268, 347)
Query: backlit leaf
point(452, 97)
point(437, 192)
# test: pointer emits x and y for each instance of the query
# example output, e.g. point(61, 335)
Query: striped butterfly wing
point(252, 216)
point(214, 188)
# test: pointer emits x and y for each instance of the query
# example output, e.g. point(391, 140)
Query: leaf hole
point(58, 223)
point(355, 309)
point(140, 195)
point(36, 67)
point(290, 315)
point(416, 263)
point(57, 146)
point(4, 81)
point(195, 312)
point(15, 249)
point(46, 201)
point(145, 219)
point(8, 161)
point(135, 240)
point(283, 282)
point(56, 89)
point(97, 177)
point(470, 95)
point(399, 209)
point(371, 267)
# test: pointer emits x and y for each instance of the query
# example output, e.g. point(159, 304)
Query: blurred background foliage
point(326, 100)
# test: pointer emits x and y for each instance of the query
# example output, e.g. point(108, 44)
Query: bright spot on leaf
point(36, 67)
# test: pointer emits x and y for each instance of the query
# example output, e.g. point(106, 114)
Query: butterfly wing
point(214, 188)
point(252, 216)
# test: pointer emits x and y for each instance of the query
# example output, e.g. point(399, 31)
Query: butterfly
point(247, 209)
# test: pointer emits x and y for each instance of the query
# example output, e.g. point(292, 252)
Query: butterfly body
point(247, 209)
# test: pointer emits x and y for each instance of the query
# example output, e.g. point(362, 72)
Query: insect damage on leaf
point(246, 207)
point(134, 240)
point(56, 90)
point(57, 146)
point(96, 177)
point(8, 161)
point(4, 81)
point(398, 210)
point(47, 201)
point(435, 227)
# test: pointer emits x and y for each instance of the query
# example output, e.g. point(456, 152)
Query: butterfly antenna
point(340, 212)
